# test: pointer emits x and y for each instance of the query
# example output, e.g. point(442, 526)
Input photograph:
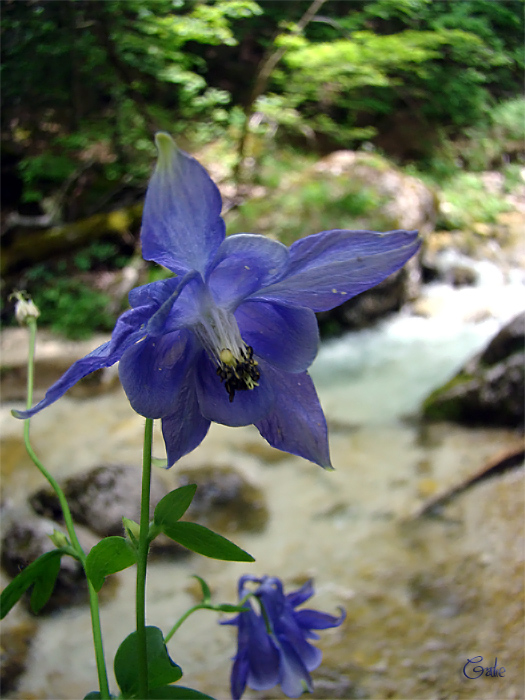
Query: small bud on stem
point(25, 308)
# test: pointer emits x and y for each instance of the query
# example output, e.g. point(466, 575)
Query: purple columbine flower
point(229, 338)
point(273, 647)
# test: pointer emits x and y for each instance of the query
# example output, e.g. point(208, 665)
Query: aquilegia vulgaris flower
point(273, 647)
point(229, 338)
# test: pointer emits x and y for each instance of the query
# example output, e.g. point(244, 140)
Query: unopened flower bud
point(132, 529)
point(24, 308)
point(59, 539)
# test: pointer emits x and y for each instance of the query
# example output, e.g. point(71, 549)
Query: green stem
point(68, 520)
point(142, 560)
point(183, 619)
point(97, 643)
point(199, 606)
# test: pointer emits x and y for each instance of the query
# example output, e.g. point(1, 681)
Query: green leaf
point(161, 669)
point(133, 530)
point(110, 555)
point(41, 568)
point(228, 608)
point(178, 692)
point(173, 506)
point(45, 583)
point(206, 593)
point(203, 541)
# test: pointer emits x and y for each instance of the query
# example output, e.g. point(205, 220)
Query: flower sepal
point(273, 637)
point(230, 338)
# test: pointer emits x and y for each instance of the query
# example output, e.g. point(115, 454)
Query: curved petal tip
point(166, 147)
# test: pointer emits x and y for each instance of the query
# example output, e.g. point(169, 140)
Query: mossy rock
point(445, 402)
point(489, 390)
point(346, 190)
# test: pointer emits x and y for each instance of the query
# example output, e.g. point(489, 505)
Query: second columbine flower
point(273, 646)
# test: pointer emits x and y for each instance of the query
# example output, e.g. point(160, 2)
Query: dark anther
point(239, 375)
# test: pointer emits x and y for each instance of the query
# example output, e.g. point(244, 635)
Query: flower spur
point(230, 336)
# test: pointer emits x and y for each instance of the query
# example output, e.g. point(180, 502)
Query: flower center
point(219, 334)
point(238, 374)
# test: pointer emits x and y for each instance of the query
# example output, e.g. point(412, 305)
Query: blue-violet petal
point(243, 264)
point(301, 595)
point(153, 294)
point(181, 225)
point(296, 423)
point(247, 407)
point(285, 336)
point(152, 372)
point(186, 428)
point(294, 676)
point(128, 330)
point(330, 267)
point(315, 620)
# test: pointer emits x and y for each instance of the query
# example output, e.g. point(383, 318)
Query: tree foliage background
point(84, 79)
point(86, 83)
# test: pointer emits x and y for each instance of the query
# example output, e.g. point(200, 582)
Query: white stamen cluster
point(222, 340)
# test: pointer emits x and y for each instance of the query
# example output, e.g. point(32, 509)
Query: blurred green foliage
point(88, 80)
point(466, 201)
point(433, 84)
point(64, 293)
point(68, 305)
point(299, 201)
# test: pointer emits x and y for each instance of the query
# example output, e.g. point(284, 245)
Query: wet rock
point(28, 538)
point(490, 389)
point(14, 649)
point(100, 497)
point(13, 451)
point(510, 340)
point(442, 260)
point(225, 500)
point(461, 594)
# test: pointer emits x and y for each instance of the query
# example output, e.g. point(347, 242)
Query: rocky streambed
point(418, 533)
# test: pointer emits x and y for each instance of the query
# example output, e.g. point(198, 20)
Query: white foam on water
point(382, 373)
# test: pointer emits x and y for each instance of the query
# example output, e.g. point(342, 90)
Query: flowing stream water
point(346, 529)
